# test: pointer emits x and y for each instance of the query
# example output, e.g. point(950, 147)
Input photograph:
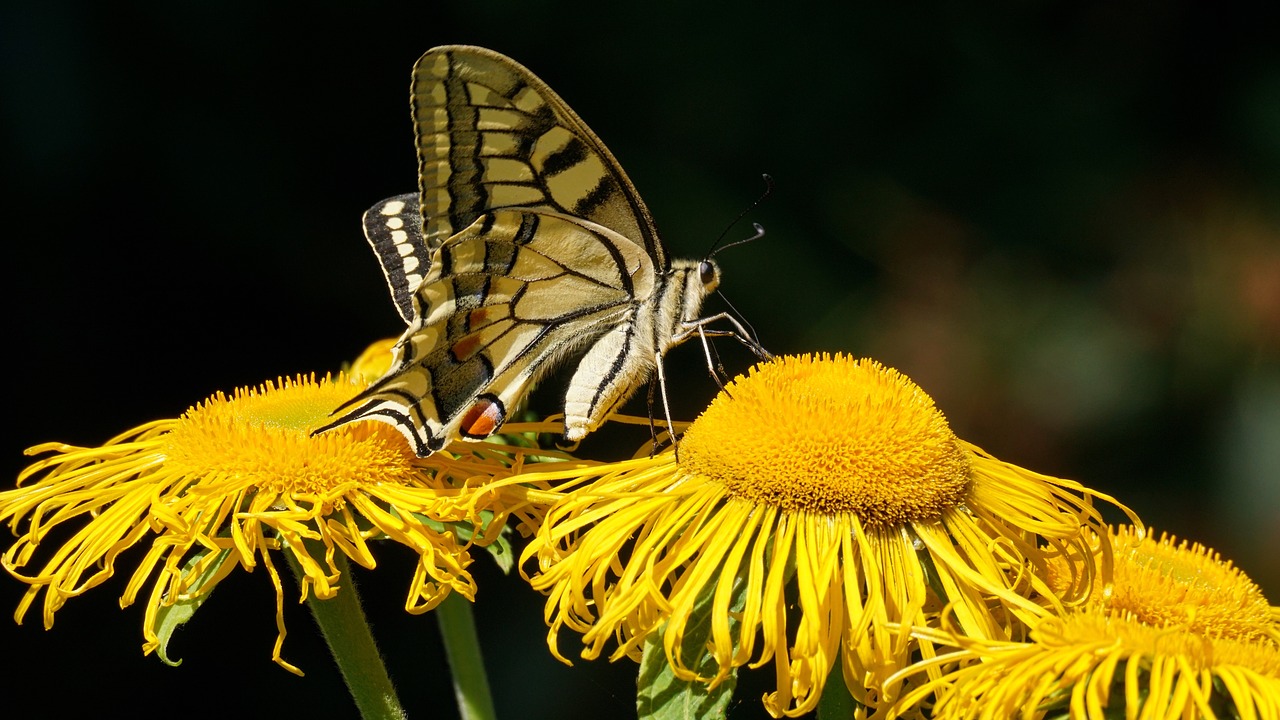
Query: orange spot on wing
point(483, 418)
point(465, 348)
point(478, 317)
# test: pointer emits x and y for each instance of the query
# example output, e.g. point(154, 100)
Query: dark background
point(1061, 219)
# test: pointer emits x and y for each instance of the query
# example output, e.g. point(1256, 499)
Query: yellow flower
point(235, 478)
point(1165, 583)
point(1100, 665)
point(836, 477)
point(1179, 633)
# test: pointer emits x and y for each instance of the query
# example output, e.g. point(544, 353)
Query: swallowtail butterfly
point(525, 244)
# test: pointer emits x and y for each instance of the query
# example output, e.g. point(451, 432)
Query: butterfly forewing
point(492, 135)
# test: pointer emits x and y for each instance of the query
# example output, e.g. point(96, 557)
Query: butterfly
point(525, 244)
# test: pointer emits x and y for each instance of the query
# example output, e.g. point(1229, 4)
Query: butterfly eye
point(707, 273)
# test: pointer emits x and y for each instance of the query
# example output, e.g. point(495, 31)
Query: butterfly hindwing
point(505, 299)
point(393, 228)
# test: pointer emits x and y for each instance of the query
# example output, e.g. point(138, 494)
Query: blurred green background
point(1062, 220)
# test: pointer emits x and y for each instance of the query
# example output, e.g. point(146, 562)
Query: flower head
point(815, 502)
point(1164, 583)
point(1179, 633)
point(235, 478)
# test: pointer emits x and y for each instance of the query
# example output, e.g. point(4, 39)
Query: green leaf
point(501, 552)
point(170, 617)
point(836, 702)
point(660, 695)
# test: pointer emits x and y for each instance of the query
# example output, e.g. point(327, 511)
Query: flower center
point(830, 435)
point(262, 437)
point(1185, 585)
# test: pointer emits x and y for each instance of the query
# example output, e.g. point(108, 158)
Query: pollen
point(830, 435)
point(262, 437)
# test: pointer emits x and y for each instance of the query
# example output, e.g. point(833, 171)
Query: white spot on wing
point(395, 223)
point(392, 208)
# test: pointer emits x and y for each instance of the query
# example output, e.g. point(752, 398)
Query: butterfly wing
point(393, 228)
point(492, 135)
point(506, 299)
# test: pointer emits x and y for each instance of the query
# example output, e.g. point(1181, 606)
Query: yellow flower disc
point(263, 436)
point(1164, 583)
point(829, 435)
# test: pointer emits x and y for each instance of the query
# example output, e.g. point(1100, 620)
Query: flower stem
point(462, 647)
point(346, 630)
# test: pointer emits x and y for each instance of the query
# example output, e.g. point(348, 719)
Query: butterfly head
point(688, 284)
point(709, 275)
point(702, 279)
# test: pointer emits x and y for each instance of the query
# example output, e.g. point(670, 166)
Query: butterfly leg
point(666, 406)
point(739, 333)
point(714, 367)
point(653, 427)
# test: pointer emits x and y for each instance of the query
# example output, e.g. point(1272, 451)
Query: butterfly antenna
point(716, 247)
point(759, 234)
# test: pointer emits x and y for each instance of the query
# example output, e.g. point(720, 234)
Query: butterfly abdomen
point(623, 359)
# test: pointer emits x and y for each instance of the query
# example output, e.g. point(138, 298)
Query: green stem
point(346, 630)
point(462, 647)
